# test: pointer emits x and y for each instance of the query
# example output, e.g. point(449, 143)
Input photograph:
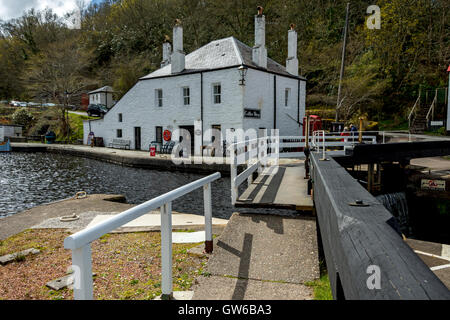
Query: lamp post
point(243, 72)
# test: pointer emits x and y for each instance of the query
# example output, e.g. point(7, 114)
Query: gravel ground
point(127, 266)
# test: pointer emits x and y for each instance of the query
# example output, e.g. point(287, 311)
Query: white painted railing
point(80, 242)
point(255, 154)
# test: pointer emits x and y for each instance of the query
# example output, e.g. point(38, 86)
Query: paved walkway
point(434, 255)
point(287, 189)
point(24, 220)
point(262, 257)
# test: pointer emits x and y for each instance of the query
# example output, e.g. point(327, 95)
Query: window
point(186, 96)
point(159, 134)
point(120, 117)
point(159, 97)
point(217, 93)
point(287, 93)
point(119, 133)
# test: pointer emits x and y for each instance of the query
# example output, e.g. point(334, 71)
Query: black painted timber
point(355, 238)
point(390, 152)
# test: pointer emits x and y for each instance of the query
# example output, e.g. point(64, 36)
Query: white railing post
point(82, 270)
point(208, 217)
point(166, 251)
point(384, 138)
point(233, 174)
point(323, 144)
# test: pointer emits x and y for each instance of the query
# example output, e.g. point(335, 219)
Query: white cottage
point(225, 84)
point(10, 131)
point(103, 95)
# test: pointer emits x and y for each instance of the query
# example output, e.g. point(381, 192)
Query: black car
point(96, 109)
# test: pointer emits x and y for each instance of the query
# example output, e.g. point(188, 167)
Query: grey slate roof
point(223, 53)
point(102, 89)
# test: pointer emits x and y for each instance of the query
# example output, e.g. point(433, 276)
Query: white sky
point(15, 8)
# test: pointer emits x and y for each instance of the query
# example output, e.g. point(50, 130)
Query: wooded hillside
point(120, 41)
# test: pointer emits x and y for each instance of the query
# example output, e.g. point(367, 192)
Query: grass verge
point(127, 266)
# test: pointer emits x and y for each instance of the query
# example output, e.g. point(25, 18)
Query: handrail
point(79, 242)
point(431, 108)
point(412, 111)
point(413, 108)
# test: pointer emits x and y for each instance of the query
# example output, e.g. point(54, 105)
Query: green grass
point(322, 288)
point(76, 123)
point(393, 125)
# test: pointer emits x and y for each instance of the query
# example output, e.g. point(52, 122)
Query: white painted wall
point(101, 98)
point(259, 91)
point(139, 106)
point(10, 131)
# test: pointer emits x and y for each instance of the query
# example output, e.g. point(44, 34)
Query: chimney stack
point(178, 55)
point(259, 52)
point(292, 60)
point(167, 51)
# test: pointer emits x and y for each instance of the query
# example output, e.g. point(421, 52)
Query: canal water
point(31, 179)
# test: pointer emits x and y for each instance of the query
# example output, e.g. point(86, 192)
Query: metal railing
point(431, 110)
point(262, 154)
point(80, 242)
point(255, 154)
point(412, 111)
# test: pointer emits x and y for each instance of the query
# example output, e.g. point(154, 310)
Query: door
point(137, 138)
point(159, 134)
point(189, 137)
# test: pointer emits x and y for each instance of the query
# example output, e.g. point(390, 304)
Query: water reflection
point(30, 179)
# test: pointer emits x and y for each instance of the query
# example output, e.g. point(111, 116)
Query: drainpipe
point(274, 102)
point(201, 108)
point(298, 103)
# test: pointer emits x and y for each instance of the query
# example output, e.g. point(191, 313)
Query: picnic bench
point(120, 144)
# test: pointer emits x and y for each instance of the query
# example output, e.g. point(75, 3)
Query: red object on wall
point(152, 151)
point(448, 70)
point(315, 123)
point(167, 135)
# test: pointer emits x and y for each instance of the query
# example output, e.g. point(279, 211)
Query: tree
point(23, 118)
point(60, 74)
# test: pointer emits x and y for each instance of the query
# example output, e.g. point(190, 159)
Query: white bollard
point(166, 251)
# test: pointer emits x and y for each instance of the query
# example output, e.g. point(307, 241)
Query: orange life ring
point(167, 135)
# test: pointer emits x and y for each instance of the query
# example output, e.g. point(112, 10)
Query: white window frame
point(188, 96)
point(287, 96)
point(159, 101)
point(214, 94)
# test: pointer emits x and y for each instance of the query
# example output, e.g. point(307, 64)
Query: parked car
point(49, 104)
point(23, 104)
point(96, 109)
point(4, 102)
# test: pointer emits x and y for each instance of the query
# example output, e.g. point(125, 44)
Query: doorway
point(137, 138)
point(189, 138)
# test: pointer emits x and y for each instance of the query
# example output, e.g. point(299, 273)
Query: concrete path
point(152, 222)
point(433, 164)
point(435, 255)
point(264, 257)
point(24, 220)
point(286, 188)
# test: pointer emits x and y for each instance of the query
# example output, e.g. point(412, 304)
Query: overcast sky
point(15, 8)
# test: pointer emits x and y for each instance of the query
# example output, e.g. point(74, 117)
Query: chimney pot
point(178, 56)
point(259, 52)
point(292, 60)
